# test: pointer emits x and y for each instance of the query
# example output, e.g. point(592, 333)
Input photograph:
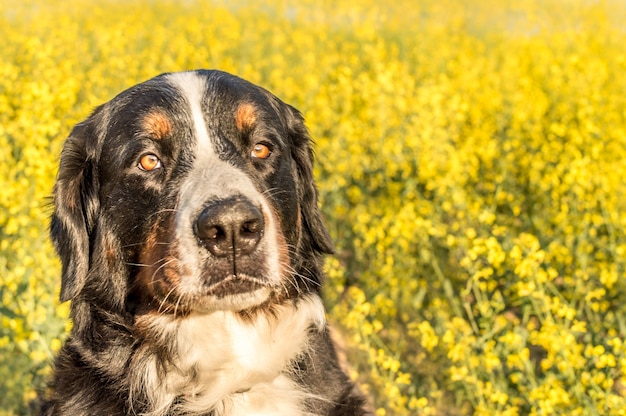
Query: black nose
point(231, 226)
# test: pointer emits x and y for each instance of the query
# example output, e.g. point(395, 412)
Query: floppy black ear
point(76, 205)
point(302, 153)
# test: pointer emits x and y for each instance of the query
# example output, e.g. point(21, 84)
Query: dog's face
point(189, 192)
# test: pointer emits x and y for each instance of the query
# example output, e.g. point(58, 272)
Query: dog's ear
point(302, 153)
point(76, 204)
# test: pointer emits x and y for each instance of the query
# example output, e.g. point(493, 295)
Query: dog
point(186, 221)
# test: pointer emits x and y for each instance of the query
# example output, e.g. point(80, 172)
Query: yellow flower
point(470, 164)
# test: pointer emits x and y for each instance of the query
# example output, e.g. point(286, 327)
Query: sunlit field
point(471, 160)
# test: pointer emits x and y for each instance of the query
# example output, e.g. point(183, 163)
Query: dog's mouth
point(235, 292)
point(236, 285)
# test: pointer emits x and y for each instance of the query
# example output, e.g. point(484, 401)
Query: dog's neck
point(228, 365)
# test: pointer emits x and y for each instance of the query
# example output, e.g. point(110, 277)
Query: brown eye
point(261, 151)
point(149, 162)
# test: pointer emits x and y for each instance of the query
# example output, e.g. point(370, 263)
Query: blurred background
point(470, 159)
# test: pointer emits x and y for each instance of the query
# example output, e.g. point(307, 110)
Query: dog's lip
point(236, 284)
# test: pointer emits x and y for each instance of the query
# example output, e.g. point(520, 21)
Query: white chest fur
point(235, 367)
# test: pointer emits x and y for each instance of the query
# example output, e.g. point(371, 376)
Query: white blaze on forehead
point(212, 178)
point(192, 86)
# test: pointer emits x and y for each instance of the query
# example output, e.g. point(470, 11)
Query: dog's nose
point(231, 226)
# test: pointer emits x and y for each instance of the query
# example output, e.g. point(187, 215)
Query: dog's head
point(189, 192)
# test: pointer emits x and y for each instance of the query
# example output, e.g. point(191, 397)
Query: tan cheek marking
point(245, 117)
point(158, 276)
point(284, 258)
point(157, 124)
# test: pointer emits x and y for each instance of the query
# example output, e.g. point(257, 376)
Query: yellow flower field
point(471, 159)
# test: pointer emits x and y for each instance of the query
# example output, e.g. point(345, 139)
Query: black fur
point(107, 212)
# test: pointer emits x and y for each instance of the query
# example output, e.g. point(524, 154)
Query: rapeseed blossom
point(470, 161)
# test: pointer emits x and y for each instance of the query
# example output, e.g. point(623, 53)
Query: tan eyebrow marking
point(157, 124)
point(245, 117)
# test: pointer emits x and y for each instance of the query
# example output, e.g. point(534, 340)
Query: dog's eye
point(261, 151)
point(149, 162)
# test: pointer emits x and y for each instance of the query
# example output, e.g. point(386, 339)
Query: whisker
point(142, 243)
point(136, 264)
point(164, 300)
point(160, 267)
point(178, 301)
point(274, 191)
point(295, 272)
point(307, 279)
point(150, 265)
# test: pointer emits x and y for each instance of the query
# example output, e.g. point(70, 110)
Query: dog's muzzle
point(231, 231)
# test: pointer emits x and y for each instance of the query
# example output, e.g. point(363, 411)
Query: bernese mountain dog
point(186, 220)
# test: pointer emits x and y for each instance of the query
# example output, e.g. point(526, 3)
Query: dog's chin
point(235, 302)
